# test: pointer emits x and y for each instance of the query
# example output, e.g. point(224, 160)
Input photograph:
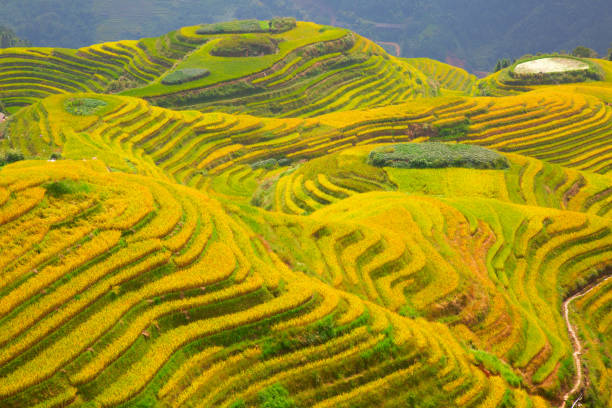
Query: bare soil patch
point(548, 65)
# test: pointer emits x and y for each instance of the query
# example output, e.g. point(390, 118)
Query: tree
point(502, 63)
point(610, 53)
point(9, 39)
point(584, 52)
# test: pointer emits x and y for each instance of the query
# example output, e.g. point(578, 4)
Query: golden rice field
point(226, 242)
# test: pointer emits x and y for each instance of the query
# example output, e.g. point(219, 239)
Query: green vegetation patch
point(496, 366)
point(245, 46)
point(436, 155)
point(181, 76)
point(275, 396)
point(282, 24)
point(276, 25)
point(10, 156)
point(83, 106)
point(65, 187)
point(233, 27)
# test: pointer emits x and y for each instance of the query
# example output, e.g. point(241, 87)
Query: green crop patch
point(83, 106)
point(185, 75)
point(436, 155)
point(275, 25)
point(66, 187)
point(232, 27)
point(245, 46)
point(496, 366)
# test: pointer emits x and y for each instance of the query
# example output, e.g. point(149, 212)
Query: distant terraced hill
point(243, 249)
point(448, 77)
point(504, 83)
point(315, 69)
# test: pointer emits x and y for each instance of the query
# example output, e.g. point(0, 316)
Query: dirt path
point(574, 337)
point(398, 48)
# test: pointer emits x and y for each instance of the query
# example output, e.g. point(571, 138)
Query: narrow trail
point(574, 338)
point(396, 46)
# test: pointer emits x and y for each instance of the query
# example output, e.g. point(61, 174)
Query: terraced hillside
point(315, 69)
point(233, 254)
point(505, 82)
point(448, 77)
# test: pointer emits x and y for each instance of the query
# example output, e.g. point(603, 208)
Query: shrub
point(584, 52)
point(10, 156)
point(275, 396)
point(276, 25)
point(238, 404)
point(180, 76)
point(234, 27)
point(282, 24)
point(120, 84)
point(243, 46)
point(455, 131)
point(436, 155)
point(64, 187)
point(83, 106)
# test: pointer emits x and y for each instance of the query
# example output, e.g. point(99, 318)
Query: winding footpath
point(574, 337)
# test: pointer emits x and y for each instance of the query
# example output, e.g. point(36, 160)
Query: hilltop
point(276, 213)
point(474, 34)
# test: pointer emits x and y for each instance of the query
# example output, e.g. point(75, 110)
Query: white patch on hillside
point(548, 65)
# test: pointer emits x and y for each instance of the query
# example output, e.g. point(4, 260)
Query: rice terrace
point(277, 213)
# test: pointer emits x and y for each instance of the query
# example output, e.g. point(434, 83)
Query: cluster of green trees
point(10, 156)
point(584, 52)
point(9, 39)
point(503, 63)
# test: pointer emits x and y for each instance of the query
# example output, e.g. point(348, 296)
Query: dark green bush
point(584, 52)
point(282, 24)
point(83, 106)
point(10, 156)
point(275, 396)
point(234, 27)
point(276, 25)
point(436, 155)
point(245, 46)
point(238, 404)
point(456, 131)
point(122, 83)
point(64, 187)
point(180, 76)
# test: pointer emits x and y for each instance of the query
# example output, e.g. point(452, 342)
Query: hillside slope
point(314, 69)
point(219, 257)
point(476, 33)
